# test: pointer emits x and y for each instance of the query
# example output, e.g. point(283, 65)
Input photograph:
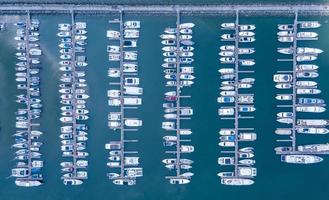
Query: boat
point(225, 174)
point(307, 35)
point(186, 25)
point(228, 25)
point(284, 27)
point(313, 109)
point(285, 33)
point(301, 159)
point(309, 24)
point(313, 148)
point(312, 122)
point(68, 181)
point(285, 39)
point(225, 99)
point(226, 111)
point(306, 83)
point(308, 50)
point(179, 181)
point(310, 101)
point(248, 27)
point(307, 74)
point(312, 130)
point(302, 58)
point(236, 181)
point(246, 33)
point(246, 39)
point(226, 160)
point(226, 144)
point(28, 183)
point(307, 67)
point(282, 78)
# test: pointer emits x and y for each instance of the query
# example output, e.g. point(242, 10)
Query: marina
point(73, 96)
point(235, 103)
point(141, 77)
point(302, 92)
point(124, 94)
point(28, 169)
point(178, 53)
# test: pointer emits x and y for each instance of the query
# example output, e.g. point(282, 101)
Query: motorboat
point(246, 33)
point(306, 74)
point(286, 27)
point(228, 25)
point(248, 27)
point(313, 148)
point(246, 39)
point(312, 130)
point(307, 67)
point(308, 91)
point(236, 181)
point(306, 83)
point(179, 181)
point(285, 39)
point(226, 144)
point(68, 181)
point(227, 132)
point(282, 78)
point(310, 101)
point(308, 50)
point(301, 159)
point(225, 99)
point(313, 109)
point(226, 160)
point(307, 35)
point(309, 24)
point(302, 58)
point(312, 122)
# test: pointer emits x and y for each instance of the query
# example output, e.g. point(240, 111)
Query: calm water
point(274, 181)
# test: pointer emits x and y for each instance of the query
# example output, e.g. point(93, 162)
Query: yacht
point(308, 91)
point(283, 78)
point(226, 70)
point(225, 99)
point(306, 67)
point(314, 148)
point(133, 122)
point(313, 109)
point(312, 122)
point(310, 24)
point(308, 50)
point(285, 50)
point(246, 39)
point(228, 25)
point(225, 174)
point(113, 49)
point(306, 83)
point(227, 132)
point(247, 108)
point(307, 35)
point(228, 37)
point(302, 58)
point(283, 131)
point(246, 33)
point(113, 34)
point(307, 74)
point(28, 183)
point(300, 159)
point(132, 24)
point(283, 85)
point(186, 31)
point(227, 48)
point(68, 181)
point(169, 48)
point(286, 39)
point(226, 160)
point(186, 25)
point(226, 144)
point(247, 62)
point(179, 181)
point(236, 181)
point(285, 33)
point(312, 130)
point(248, 27)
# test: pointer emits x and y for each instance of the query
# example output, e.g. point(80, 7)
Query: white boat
point(308, 50)
point(307, 74)
point(236, 181)
point(302, 58)
point(246, 33)
point(284, 27)
point(285, 33)
point(312, 122)
point(179, 181)
point(300, 159)
point(186, 25)
point(248, 27)
point(247, 62)
point(226, 160)
point(228, 25)
point(285, 50)
point(132, 24)
point(247, 171)
point(133, 122)
point(113, 34)
point(226, 131)
point(310, 24)
point(247, 39)
point(285, 120)
point(226, 99)
point(68, 181)
point(227, 48)
point(185, 132)
point(314, 148)
point(307, 35)
point(227, 60)
point(313, 109)
point(225, 174)
point(306, 83)
point(306, 67)
point(282, 78)
point(226, 144)
point(283, 85)
point(226, 70)
point(131, 90)
point(285, 39)
point(228, 36)
point(312, 130)
point(283, 131)
point(28, 183)
point(308, 91)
